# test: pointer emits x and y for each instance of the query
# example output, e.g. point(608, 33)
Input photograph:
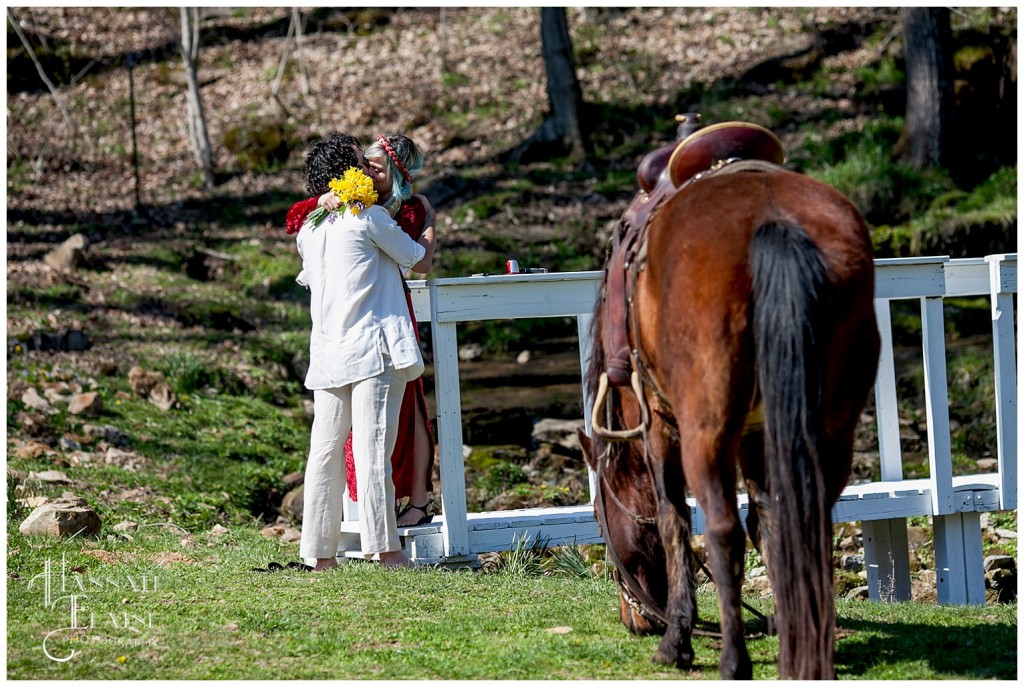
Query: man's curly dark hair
point(328, 159)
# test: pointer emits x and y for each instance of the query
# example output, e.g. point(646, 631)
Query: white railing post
point(936, 399)
point(959, 573)
point(583, 323)
point(449, 430)
point(1002, 285)
point(886, 548)
point(886, 408)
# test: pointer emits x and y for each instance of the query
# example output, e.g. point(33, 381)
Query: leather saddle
point(697, 152)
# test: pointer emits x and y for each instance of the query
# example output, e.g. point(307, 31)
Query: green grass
point(220, 456)
point(207, 617)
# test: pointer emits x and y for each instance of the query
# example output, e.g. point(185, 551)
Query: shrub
point(260, 146)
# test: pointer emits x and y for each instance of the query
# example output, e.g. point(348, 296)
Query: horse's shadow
point(984, 651)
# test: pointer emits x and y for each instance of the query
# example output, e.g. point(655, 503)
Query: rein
point(635, 595)
point(630, 588)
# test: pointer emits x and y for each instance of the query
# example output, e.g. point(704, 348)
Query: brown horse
point(754, 338)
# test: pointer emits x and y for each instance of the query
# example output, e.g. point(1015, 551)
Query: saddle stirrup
point(601, 401)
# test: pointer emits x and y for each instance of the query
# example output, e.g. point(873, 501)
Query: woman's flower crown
point(355, 191)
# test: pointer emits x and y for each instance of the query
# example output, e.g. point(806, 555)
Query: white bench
point(881, 507)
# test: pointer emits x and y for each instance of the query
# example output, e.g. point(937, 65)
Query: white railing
point(882, 507)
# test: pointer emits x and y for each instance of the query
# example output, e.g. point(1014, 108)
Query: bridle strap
point(633, 593)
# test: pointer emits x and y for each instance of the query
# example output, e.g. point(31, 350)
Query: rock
point(32, 449)
point(1000, 563)
point(859, 593)
point(32, 399)
point(65, 340)
point(108, 433)
point(33, 424)
point(286, 533)
point(218, 530)
point(77, 458)
point(1005, 534)
point(65, 517)
point(523, 357)
point(272, 531)
point(162, 397)
point(88, 404)
point(758, 585)
point(853, 562)
point(126, 460)
point(142, 382)
point(987, 464)
point(291, 506)
point(560, 432)
point(53, 476)
point(471, 352)
point(560, 630)
point(1004, 584)
point(294, 479)
point(68, 444)
point(108, 368)
point(851, 542)
point(34, 501)
point(68, 255)
point(54, 395)
point(126, 526)
point(75, 340)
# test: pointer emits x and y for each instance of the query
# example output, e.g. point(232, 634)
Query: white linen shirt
point(357, 302)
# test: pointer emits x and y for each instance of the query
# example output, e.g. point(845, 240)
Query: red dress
point(410, 217)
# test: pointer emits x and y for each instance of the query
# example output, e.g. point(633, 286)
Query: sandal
point(428, 514)
point(274, 566)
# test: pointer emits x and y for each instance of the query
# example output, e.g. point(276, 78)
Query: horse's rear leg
point(710, 469)
point(674, 529)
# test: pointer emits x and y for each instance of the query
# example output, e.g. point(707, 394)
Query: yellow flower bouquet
point(355, 191)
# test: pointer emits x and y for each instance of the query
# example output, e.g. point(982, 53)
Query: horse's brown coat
point(695, 320)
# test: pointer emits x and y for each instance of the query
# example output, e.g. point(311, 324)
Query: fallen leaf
point(168, 557)
point(105, 556)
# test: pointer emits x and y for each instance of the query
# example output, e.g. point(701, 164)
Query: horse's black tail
point(790, 285)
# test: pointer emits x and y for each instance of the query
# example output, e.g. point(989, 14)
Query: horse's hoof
point(743, 671)
point(683, 662)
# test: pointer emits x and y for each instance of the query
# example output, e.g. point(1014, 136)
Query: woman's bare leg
point(423, 447)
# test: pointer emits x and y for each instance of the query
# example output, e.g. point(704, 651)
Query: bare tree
point(927, 39)
point(294, 29)
point(198, 138)
point(42, 74)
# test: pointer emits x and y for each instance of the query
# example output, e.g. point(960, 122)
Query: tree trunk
point(198, 137)
point(560, 132)
point(927, 39)
point(564, 94)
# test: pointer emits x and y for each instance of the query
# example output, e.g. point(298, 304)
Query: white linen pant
point(370, 407)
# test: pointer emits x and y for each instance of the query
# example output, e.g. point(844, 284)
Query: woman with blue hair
point(393, 160)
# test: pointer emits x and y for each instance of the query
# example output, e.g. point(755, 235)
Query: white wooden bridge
point(882, 507)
